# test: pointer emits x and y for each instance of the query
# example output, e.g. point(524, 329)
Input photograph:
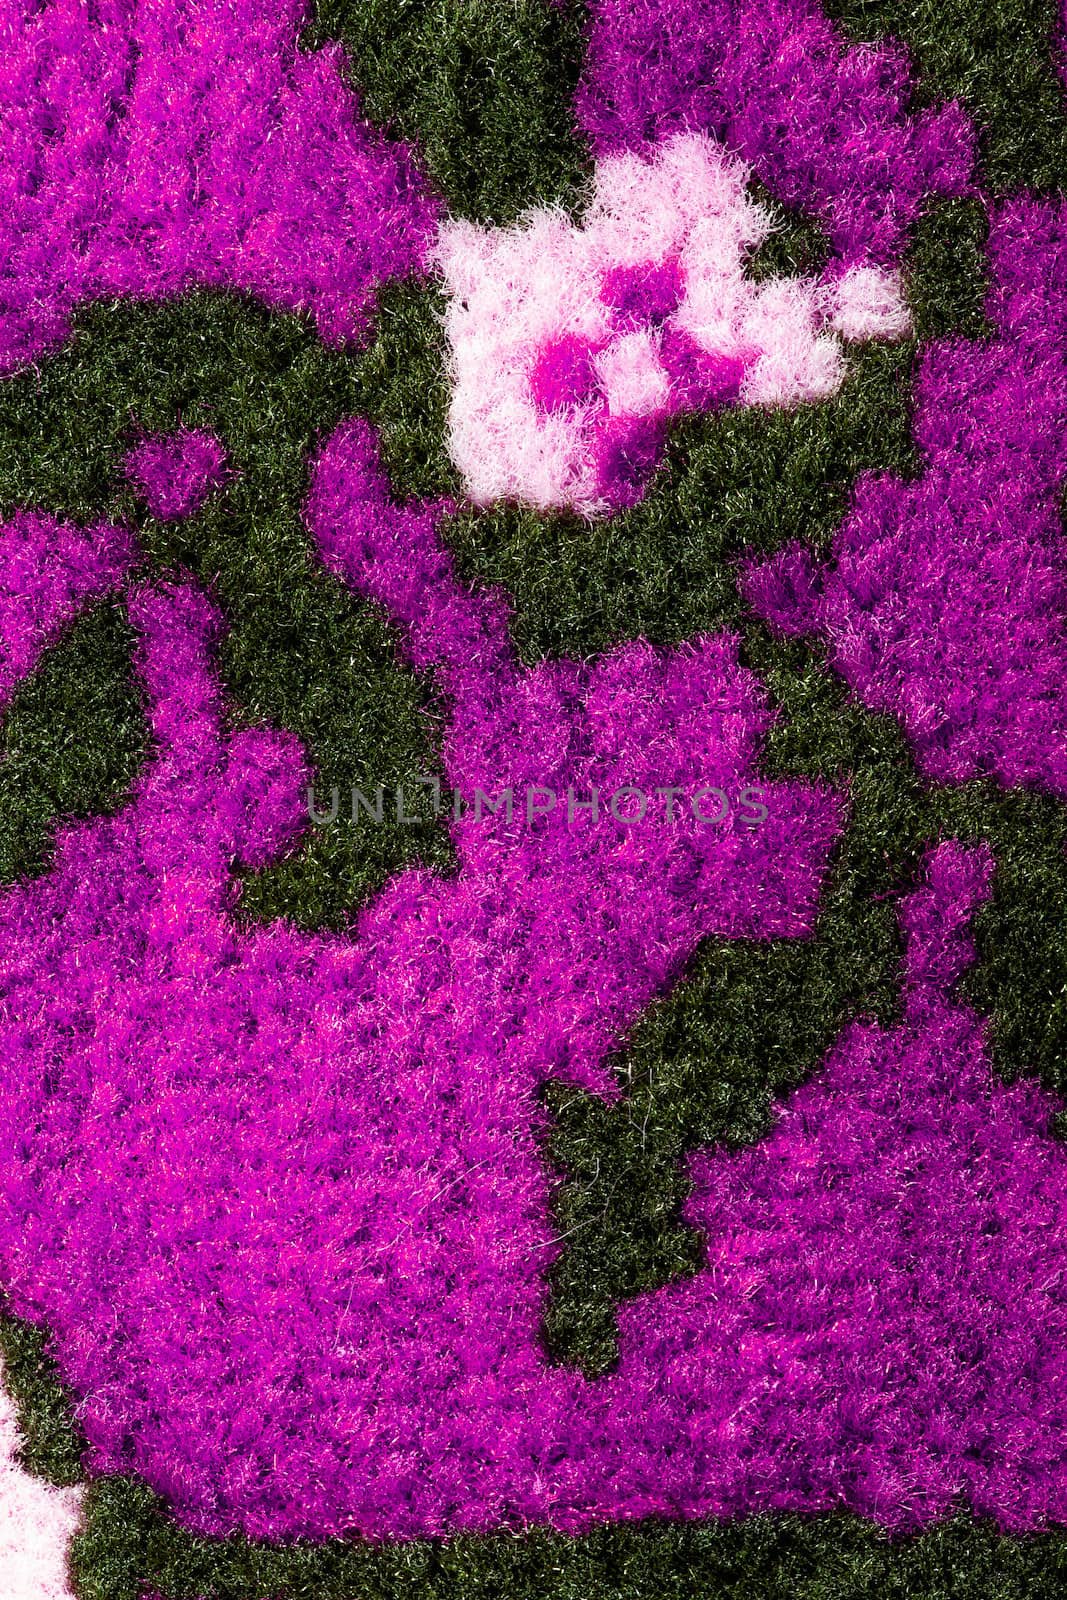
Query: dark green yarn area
point(797, 246)
point(995, 56)
point(51, 1444)
point(947, 265)
point(126, 1542)
point(743, 482)
point(72, 739)
point(750, 1021)
point(300, 652)
point(482, 89)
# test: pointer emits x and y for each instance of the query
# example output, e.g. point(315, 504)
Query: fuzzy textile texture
point(825, 127)
point(36, 1523)
point(175, 474)
point(279, 1197)
point(48, 571)
point(422, 1046)
point(945, 602)
point(150, 147)
point(571, 347)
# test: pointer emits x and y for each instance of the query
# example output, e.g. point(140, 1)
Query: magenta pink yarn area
point(281, 1201)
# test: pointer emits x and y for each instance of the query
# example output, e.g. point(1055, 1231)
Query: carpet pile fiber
point(533, 766)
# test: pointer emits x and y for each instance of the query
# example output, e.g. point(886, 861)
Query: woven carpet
point(533, 762)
